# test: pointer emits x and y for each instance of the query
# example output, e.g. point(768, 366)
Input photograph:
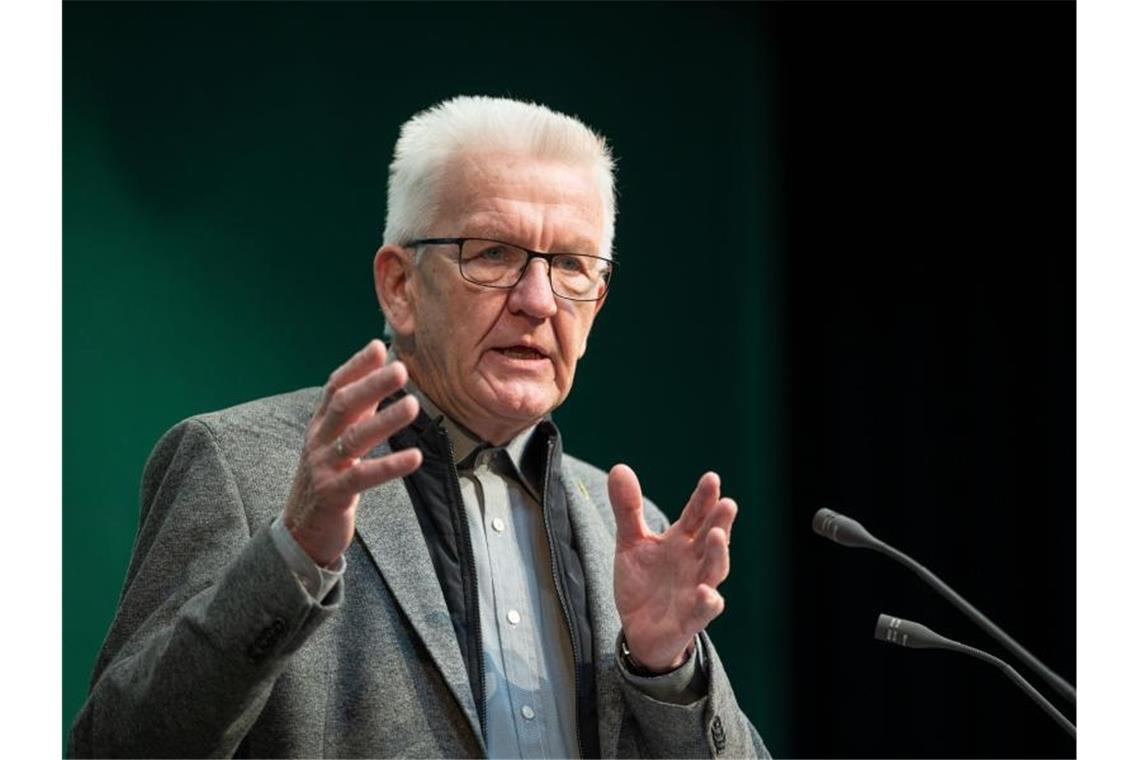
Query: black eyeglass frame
point(530, 256)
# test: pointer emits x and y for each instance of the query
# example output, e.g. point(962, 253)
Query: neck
point(492, 430)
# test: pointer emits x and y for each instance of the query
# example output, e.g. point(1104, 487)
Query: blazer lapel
point(387, 527)
point(596, 545)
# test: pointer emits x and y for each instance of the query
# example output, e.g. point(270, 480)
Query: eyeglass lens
point(572, 275)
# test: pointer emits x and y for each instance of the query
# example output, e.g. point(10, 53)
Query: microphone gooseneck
point(906, 633)
point(848, 532)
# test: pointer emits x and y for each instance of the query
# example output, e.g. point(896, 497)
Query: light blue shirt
point(527, 654)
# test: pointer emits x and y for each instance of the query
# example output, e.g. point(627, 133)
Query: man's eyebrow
point(576, 245)
point(579, 245)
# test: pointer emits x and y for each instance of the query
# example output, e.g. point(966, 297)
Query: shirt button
point(528, 712)
point(513, 617)
point(498, 525)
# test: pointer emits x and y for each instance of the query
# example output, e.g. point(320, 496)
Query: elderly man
point(404, 562)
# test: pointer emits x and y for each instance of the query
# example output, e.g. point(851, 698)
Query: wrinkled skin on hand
point(665, 583)
point(321, 509)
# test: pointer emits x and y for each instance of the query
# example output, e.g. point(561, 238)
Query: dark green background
point(224, 170)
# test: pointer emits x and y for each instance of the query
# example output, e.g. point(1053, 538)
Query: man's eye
point(569, 264)
point(494, 253)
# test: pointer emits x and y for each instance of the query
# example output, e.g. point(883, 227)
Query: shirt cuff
point(682, 686)
point(317, 581)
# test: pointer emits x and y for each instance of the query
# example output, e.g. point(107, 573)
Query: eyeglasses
point(494, 264)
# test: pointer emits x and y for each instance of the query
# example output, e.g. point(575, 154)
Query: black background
point(931, 367)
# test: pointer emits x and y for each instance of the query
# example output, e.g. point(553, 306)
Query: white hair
point(430, 138)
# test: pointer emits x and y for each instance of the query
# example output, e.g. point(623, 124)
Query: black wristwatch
point(637, 669)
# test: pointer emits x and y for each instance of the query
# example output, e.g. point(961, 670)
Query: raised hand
point(321, 509)
point(665, 583)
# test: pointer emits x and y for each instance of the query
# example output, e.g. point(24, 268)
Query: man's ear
point(597, 307)
point(392, 272)
point(600, 302)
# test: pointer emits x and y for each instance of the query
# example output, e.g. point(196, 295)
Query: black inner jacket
point(435, 495)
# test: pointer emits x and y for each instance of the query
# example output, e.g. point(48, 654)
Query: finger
point(365, 360)
point(357, 440)
point(727, 526)
point(721, 516)
point(368, 473)
point(707, 605)
point(625, 499)
point(714, 565)
point(359, 397)
point(704, 496)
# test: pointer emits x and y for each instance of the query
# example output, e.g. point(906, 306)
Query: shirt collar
point(467, 444)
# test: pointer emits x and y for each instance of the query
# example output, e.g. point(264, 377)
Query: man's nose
point(532, 294)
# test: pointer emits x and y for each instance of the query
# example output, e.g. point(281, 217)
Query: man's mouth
point(521, 352)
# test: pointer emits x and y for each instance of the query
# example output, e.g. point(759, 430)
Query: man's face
point(496, 359)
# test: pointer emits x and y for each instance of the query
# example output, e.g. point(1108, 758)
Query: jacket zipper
point(457, 496)
point(561, 596)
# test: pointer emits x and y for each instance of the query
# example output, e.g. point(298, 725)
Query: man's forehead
point(496, 195)
point(568, 237)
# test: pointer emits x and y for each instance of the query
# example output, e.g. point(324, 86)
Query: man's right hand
point(321, 510)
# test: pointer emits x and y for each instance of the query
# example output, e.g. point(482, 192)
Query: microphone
point(843, 530)
point(906, 633)
point(847, 532)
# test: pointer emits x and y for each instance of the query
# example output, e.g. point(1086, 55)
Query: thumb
point(625, 499)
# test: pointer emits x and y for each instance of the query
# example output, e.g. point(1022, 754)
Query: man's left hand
point(665, 584)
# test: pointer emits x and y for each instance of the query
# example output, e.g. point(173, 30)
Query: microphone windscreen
point(841, 529)
point(907, 633)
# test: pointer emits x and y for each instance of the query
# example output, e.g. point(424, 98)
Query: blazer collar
point(595, 543)
point(389, 531)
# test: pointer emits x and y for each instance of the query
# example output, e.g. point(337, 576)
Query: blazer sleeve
point(711, 726)
point(207, 620)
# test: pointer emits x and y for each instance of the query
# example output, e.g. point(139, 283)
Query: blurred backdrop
point(847, 245)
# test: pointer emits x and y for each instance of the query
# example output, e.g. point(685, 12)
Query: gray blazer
point(217, 650)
